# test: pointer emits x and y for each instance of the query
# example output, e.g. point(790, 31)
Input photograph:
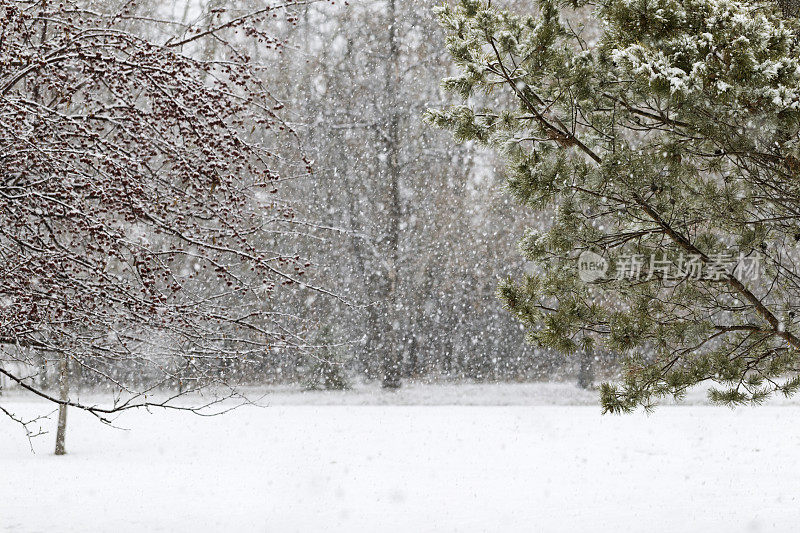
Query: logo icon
point(591, 266)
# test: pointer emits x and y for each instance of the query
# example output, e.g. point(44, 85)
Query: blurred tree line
point(426, 229)
point(411, 231)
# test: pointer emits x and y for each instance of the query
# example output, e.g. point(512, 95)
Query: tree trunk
point(586, 372)
point(63, 380)
point(392, 359)
point(44, 382)
point(374, 331)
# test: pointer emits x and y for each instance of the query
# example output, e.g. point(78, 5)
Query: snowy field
point(437, 462)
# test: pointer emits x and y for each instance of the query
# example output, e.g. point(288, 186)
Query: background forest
point(407, 232)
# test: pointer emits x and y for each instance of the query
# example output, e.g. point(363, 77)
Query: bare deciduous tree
point(130, 188)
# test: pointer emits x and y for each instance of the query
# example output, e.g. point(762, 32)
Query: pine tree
point(661, 141)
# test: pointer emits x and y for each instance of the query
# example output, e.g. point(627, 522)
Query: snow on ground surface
point(438, 462)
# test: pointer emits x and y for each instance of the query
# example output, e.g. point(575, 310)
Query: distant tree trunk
point(63, 381)
point(392, 363)
point(44, 382)
point(181, 373)
point(586, 371)
point(446, 347)
point(371, 326)
point(372, 342)
point(414, 368)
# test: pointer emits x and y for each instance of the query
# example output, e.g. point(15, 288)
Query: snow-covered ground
point(439, 462)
